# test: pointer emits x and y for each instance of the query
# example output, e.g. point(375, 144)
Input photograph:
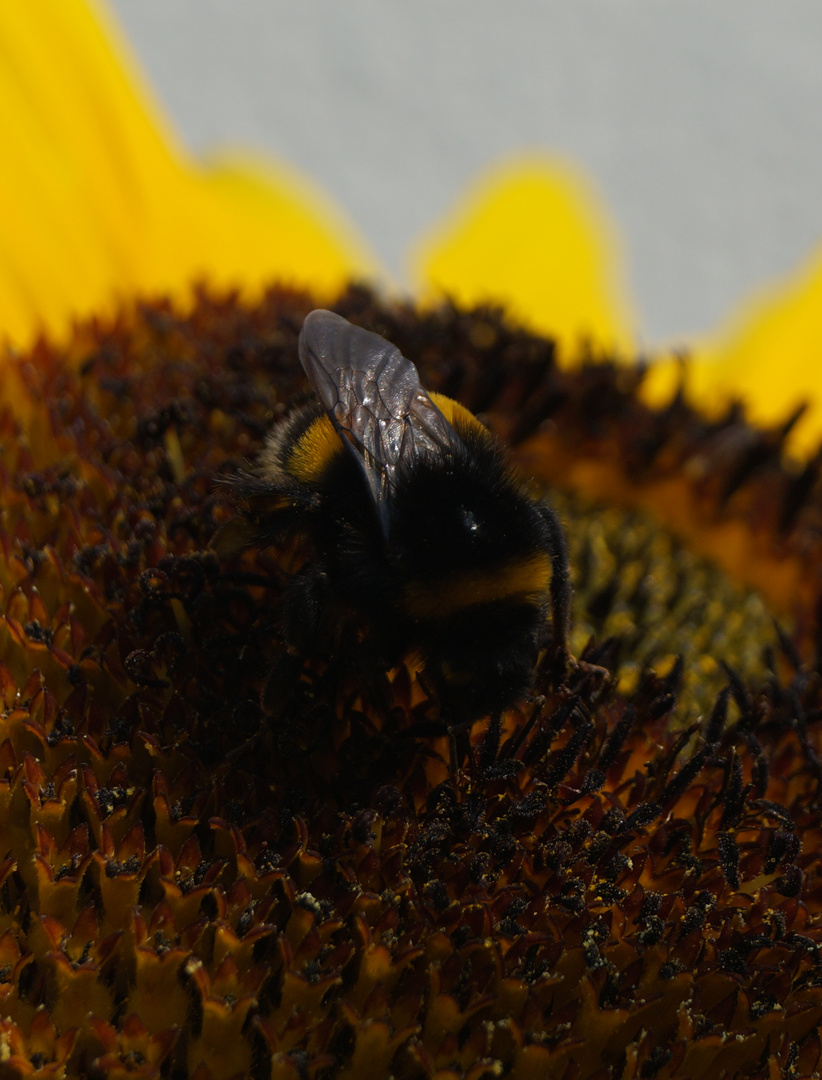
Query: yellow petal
point(267, 224)
point(769, 353)
point(100, 201)
point(532, 237)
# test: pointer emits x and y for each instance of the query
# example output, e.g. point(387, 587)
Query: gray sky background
point(699, 122)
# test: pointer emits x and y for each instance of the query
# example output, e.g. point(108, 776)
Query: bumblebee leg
point(560, 586)
point(459, 744)
point(247, 746)
point(299, 617)
point(296, 622)
point(514, 744)
point(281, 684)
point(455, 753)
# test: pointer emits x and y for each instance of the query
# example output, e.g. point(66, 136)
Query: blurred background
point(699, 124)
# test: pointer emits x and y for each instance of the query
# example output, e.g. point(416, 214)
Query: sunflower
point(619, 878)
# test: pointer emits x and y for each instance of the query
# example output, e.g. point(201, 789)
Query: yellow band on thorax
point(314, 451)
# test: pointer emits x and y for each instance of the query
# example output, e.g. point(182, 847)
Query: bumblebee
point(422, 542)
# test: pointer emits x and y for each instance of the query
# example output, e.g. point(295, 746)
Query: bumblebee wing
point(374, 399)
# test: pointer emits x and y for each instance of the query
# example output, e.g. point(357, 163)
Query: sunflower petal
point(531, 236)
point(769, 354)
point(101, 201)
